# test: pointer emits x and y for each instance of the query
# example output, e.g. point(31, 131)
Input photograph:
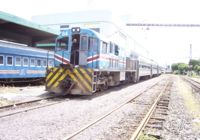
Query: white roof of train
point(13, 45)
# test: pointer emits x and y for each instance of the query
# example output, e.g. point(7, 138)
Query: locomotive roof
point(100, 36)
point(90, 31)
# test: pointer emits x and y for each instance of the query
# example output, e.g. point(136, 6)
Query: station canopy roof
point(16, 29)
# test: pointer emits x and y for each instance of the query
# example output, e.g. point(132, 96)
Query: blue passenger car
point(20, 61)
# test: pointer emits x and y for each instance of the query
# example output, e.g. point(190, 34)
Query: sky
point(165, 45)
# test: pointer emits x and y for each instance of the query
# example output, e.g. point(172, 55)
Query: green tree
point(183, 68)
point(193, 63)
point(197, 68)
point(174, 66)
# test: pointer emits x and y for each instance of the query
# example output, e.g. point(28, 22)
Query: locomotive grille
point(82, 77)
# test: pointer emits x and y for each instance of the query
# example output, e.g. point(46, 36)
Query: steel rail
point(145, 120)
point(29, 109)
point(108, 113)
point(193, 83)
point(25, 102)
point(5, 114)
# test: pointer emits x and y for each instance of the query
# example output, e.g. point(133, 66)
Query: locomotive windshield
point(62, 44)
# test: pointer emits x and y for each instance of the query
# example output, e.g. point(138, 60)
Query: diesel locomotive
point(86, 62)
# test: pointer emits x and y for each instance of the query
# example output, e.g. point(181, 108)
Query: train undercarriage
point(67, 79)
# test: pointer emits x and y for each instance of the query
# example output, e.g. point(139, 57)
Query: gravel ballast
point(184, 109)
point(60, 120)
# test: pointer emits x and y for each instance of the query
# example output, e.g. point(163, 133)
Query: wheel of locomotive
point(105, 86)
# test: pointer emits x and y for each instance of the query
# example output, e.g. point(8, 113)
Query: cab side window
point(104, 47)
point(62, 44)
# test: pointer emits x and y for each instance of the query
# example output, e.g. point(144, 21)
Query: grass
point(190, 101)
point(146, 137)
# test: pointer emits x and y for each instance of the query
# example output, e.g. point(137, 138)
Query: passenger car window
point(38, 62)
point(25, 62)
point(111, 47)
point(32, 62)
point(18, 61)
point(116, 50)
point(1, 60)
point(44, 63)
point(9, 60)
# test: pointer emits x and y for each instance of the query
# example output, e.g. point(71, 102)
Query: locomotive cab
point(72, 48)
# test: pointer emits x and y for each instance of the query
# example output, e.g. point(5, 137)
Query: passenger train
point(19, 62)
point(86, 62)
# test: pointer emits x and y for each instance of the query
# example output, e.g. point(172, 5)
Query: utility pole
point(190, 51)
point(190, 57)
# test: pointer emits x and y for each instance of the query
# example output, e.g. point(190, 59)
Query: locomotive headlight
point(76, 30)
point(73, 29)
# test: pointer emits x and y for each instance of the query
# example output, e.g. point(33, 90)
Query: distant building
point(100, 20)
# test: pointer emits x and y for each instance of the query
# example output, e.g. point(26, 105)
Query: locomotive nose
point(73, 80)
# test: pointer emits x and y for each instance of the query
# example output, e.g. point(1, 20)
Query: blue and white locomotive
point(17, 62)
point(86, 62)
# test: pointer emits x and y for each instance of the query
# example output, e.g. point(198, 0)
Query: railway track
point(71, 127)
point(22, 103)
point(16, 108)
point(52, 97)
point(152, 123)
point(97, 120)
point(195, 85)
point(21, 107)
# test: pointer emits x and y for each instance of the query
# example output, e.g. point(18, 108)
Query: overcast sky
point(166, 45)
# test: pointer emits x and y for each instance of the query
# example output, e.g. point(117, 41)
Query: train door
point(83, 51)
point(74, 59)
